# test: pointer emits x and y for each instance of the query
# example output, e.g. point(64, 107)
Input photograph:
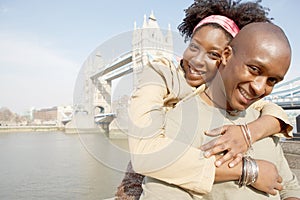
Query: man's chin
point(238, 107)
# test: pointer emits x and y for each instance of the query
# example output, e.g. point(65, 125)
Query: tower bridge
point(116, 60)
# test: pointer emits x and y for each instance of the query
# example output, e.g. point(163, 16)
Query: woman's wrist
point(247, 135)
point(225, 173)
point(249, 171)
point(257, 131)
point(265, 126)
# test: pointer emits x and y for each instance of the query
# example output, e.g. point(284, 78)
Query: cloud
point(33, 73)
point(27, 53)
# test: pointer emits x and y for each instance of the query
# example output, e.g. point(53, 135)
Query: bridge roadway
point(288, 104)
point(287, 94)
point(120, 67)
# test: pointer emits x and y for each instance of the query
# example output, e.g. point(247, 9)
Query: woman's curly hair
point(242, 13)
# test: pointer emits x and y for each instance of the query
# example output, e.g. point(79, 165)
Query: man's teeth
point(243, 92)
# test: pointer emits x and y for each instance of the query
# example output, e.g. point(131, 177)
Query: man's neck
point(214, 96)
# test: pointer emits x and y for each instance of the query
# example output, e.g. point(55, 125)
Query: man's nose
point(259, 86)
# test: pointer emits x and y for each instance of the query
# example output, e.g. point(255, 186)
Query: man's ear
point(226, 54)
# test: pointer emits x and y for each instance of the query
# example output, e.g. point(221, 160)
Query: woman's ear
point(181, 63)
point(226, 54)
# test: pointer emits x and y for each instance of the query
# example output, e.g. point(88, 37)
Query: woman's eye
point(214, 55)
point(193, 47)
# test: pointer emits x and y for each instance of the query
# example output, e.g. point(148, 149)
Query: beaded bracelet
point(247, 135)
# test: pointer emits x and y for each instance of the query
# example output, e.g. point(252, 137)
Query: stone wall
point(292, 153)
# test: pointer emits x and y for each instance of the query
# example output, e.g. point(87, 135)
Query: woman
point(191, 73)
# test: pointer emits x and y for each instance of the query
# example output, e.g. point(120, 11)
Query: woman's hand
point(268, 179)
point(231, 141)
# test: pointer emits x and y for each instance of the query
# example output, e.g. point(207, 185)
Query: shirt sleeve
point(272, 109)
point(153, 152)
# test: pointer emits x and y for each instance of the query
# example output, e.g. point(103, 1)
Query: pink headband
point(223, 21)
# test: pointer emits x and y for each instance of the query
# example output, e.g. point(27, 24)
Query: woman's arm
point(265, 126)
point(268, 179)
point(271, 109)
point(273, 120)
point(153, 152)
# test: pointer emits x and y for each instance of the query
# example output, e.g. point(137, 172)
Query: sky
point(43, 44)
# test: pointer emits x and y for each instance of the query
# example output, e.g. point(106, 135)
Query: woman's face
point(202, 56)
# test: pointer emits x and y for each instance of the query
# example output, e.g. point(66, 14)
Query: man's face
point(251, 71)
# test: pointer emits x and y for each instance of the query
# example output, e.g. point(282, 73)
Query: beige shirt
point(155, 151)
point(205, 117)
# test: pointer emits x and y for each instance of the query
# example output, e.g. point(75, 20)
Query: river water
point(55, 165)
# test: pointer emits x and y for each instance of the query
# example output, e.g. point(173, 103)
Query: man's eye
point(272, 81)
point(254, 69)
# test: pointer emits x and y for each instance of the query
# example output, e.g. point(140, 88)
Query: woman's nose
point(199, 59)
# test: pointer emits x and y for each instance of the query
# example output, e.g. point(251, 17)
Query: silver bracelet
point(254, 167)
point(241, 181)
point(249, 172)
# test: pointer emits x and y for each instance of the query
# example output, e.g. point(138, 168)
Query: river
point(55, 165)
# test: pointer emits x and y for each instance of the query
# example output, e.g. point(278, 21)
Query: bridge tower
point(113, 60)
point(149, 42)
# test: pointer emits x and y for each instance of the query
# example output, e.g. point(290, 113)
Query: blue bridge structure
point(286, 94)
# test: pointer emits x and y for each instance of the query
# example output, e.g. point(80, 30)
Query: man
point(257, 58)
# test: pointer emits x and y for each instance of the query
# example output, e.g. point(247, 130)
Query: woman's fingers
point(277, 187)
point(208, 146)
point(217, 131)
point(215, 142)
point(237, 160)
point(279, 179)
point(213, 147)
